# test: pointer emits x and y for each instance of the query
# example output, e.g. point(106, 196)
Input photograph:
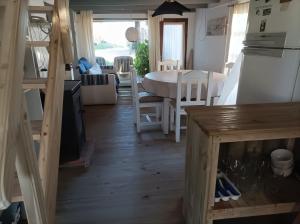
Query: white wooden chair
point(145, 100)
point(122, 65)
point(228, 94)
point(189, 93)
point(168, 65)
point(228, 67)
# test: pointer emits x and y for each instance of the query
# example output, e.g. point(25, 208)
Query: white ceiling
point(130, 6)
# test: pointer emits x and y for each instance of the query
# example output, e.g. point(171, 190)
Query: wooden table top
point(165, 76)
point(243, 119)
point(164, 83)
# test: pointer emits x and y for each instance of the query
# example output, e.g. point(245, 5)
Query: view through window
point(173, 42)
point(110, 40)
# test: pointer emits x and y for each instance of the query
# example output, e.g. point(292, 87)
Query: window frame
point(184, 21)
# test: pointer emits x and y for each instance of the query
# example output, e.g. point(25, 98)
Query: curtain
point(84, 35)
point(154, 40)
point(238, 30)
point(173, 40)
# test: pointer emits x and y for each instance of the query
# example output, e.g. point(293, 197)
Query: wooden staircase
point(36, 179)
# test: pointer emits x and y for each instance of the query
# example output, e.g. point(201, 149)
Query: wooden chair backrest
point(192, 86)
point(168, 65)
point(123, 63)
point(228, 94)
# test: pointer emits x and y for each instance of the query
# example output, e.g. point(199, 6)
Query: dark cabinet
point(73, 128)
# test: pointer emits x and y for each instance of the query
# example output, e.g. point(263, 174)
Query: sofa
point(99, 83)
point(93, 94)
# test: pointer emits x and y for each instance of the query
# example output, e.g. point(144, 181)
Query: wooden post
point(51, 128)
point(11, 75)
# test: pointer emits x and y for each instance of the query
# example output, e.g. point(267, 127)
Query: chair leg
point(138, 120)
point(177, 128)
point(166, 115)
point(157, 113)
point(172, 116)
point(162, 117)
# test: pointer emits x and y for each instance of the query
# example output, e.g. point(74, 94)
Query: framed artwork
point(217, 27)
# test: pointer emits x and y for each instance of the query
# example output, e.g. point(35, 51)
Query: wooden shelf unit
point(211, 127)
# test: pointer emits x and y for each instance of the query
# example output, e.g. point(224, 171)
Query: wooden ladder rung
point(38, 43)
point(40, 83)
point(36, 130)
point(40, 9)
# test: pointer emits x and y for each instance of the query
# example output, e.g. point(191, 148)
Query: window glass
point(110, 40)
point(173, 42)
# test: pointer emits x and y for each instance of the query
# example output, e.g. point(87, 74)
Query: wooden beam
point(130, 6)
point(51, 128)
point(66, 33)
point(12, 52)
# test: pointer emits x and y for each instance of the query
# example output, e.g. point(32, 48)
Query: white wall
point(209, 53)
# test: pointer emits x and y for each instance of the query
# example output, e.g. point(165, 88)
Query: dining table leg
point(166, 115)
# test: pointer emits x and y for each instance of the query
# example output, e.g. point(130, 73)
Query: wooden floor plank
point(132, 179)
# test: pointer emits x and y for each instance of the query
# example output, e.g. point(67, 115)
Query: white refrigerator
point(270, 69)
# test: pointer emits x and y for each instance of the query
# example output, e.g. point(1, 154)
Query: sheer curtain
point(154, 40)
point(84, 35)
point(238, 30)
point(173, 42)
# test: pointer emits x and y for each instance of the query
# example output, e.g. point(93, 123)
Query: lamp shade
point(132, 34)
point(170, 7)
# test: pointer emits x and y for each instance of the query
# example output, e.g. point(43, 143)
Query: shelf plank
point(40, 9)
point(37, 43)
point(274, 198)
point(258, 210)
point(40, 83)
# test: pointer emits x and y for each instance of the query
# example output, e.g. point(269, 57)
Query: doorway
point(173, 40)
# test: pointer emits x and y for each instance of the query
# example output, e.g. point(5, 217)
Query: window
point(174, 40)
point(238, 31)
point(110, 40)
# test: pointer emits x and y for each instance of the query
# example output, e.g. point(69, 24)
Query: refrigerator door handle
point(270, 40)
point(270, 52)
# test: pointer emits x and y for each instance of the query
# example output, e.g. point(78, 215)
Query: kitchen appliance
point(270, 69)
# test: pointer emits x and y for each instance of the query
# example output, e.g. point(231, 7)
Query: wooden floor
point(133, 179)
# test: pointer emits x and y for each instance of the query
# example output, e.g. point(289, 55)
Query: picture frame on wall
point(217, 27)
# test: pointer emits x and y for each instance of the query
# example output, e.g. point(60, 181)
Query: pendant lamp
point(170, 7)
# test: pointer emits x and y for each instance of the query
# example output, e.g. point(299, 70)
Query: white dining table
point(164, 84)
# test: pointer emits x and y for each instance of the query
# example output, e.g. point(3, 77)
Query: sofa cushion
point(89, 80)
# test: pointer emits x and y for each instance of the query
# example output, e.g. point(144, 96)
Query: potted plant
point(141, 61)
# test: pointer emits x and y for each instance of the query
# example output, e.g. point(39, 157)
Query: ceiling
point(130, 6)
